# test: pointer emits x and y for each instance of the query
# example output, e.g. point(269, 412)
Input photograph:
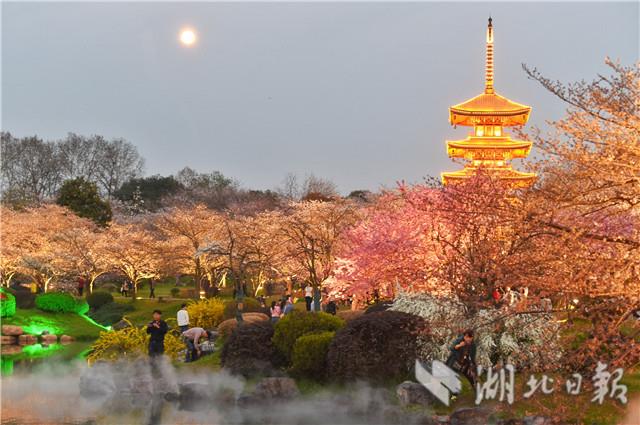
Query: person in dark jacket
point(463, 357)
point(157, 328)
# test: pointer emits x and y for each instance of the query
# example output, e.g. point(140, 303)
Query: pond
point(18, 359)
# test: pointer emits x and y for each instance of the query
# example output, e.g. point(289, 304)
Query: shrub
point(375, 347)
point(379, 306)
point(111, 313)
point(61, 302)
point(294, 325)
point(24, 298)
point(527, 341)
point(309, 358)
point(99, 298)
point(175, 291)
point(7, 303)
point(249, 305)
point(206, 313)
point(349, 315)
point(130, 342)
point(250, 351)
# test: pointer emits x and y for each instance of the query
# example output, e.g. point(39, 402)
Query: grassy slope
point(35, 321)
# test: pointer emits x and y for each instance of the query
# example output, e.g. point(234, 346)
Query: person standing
point(152, 288)
point(331, 307)
point(124, 289)
point(157, 328)
point(80, 285)
point(183, 318)
point(288, 307)
point(192, 340)
point(308, 295)
point(462, 358)
point(275, 312)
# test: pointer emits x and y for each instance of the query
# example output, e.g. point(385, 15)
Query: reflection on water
point(17, 358)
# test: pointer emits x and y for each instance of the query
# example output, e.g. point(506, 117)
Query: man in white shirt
point(308, 296)
point(183, 318)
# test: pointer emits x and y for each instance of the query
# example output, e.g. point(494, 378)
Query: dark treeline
point(34, 171)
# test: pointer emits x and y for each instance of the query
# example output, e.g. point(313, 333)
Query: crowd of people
point(193, 337)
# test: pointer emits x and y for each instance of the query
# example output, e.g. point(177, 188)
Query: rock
point(226, 327)
point(49, 339)
point(536, 420)
point(413, 393)
point(12, 330)
point(11, 349)
point(66, 339)
point(193, 396)
point(470, 416)
point(276, 388)
point(8, 340)
point(27, 339)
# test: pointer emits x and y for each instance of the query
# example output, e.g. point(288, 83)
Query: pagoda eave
point(506, 174)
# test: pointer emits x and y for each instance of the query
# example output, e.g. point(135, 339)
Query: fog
point(140, 392)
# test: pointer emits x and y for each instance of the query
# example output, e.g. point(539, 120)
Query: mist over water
point(139, 392)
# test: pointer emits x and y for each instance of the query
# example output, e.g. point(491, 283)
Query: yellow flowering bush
point(130, 342)
point(206, 314)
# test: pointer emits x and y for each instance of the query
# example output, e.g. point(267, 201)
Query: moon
point(188, 37)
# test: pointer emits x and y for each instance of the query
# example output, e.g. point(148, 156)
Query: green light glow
point(38, 324)
point(39, 350)
point(93, 322)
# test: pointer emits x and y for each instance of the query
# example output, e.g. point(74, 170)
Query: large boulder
point(270, 390)
point(193, 396)
point(27, 339)
point(276, 389)
point(49, 339)
point(66, 339)
point(470, 416)
point(11, 349)
point(8, 340)
point(413, 393)
point(12, 330)
point(226, 328)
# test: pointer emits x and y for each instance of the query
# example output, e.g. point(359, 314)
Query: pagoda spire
point(488, 88)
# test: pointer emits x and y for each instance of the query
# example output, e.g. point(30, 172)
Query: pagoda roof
point(490, 109)
point(508, 174)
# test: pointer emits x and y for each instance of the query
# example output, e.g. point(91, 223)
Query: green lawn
point(35, 321)
point(144, 309)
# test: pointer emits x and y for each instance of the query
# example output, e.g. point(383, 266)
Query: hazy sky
point(355, 92)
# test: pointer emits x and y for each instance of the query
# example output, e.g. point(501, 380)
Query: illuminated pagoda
point(489, 148)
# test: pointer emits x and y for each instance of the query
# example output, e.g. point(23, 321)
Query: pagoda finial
point(488, 88)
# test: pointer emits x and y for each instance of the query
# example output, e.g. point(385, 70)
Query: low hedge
point(99, 298)
point(376, 347)
point(111, 313)
point(309, 357)
point(249, 350)
point(249, 305)
point(296, 324)
point(7, 303)
point(61, 302)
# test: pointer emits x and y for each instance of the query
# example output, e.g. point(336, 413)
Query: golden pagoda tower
point(488, 147)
